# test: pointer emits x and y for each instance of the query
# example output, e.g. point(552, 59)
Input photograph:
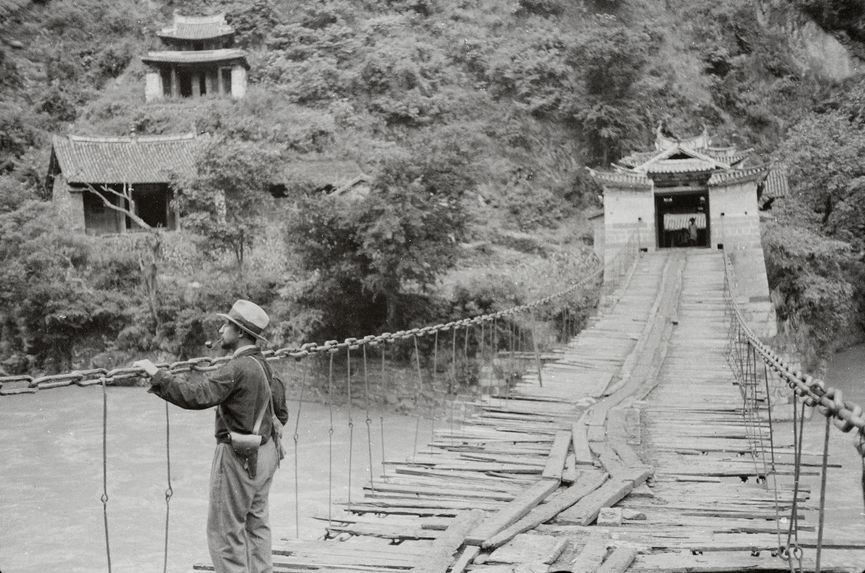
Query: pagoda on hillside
point(655, 199)
point(199, 60)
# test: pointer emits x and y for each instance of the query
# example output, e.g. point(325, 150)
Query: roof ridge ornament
point(662, 141)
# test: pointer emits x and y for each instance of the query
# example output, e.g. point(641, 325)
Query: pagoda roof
point(693, 155)
point(195, 56)
point(133, 160)
point(197, 28)
point(727, 156)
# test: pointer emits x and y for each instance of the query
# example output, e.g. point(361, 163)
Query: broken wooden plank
point(569, 473)
point(441, 556)
point(591, 555)
point(618, 561)
point(529, 548)
point(512, 511)
point(558, 454)
point(465, 559)
point(580, 437)
point(586, 510)
point(585, 484)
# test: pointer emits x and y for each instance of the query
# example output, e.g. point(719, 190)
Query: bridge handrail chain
point(829, 401)
point(26, 384)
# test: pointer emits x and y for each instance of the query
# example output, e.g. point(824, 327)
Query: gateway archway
point(674, 213)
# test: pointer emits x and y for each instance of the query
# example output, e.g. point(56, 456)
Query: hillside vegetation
point(474, 119)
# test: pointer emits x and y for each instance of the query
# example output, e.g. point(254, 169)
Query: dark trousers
point(238, 524)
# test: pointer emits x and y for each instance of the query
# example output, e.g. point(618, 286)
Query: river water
point(845, 507)
point(51, 516)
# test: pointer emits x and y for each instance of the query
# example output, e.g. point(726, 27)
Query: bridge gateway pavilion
point(650, 197)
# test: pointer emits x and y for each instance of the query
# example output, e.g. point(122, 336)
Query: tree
point(149, 264)
point(47, 309)
point(823, 154)
point(369, 255)
point(224, 200)
point(812, 276)
point(613, 57)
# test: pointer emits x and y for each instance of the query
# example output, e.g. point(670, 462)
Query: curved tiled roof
point(691, 165)
point(637, 158)
point(195, 56)
point(776, 184)
point(197, 28)
point(144, 159)
point(729, 156)
point(732, 176)
point(632, 180)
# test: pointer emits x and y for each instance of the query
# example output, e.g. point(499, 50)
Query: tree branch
point(135, 218)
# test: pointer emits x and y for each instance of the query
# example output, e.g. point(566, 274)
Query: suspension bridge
point(646, 443)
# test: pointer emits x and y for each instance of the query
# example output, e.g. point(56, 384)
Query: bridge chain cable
point(845, 415)
point(368, 420)
point(27, 384)
point(104, 497)
point(417, 394)
point(350, 421)
point(381, 415)
point(793, 524)
point(772, 457)
point(169, 490)
point(330, 443)
point(829, 402)
point(296, 437)
point(822, 509)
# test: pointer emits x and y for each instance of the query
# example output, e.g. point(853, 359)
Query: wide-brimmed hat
point(250, 317)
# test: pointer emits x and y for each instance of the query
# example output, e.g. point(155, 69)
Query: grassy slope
point(359, 79)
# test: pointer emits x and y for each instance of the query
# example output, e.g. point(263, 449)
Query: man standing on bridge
point(244, 390)
point(692, 232)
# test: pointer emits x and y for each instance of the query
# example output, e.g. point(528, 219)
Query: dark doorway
point(226, 80)
point(166, 82)
point(185, 83)
point(152, 205)
point(682, 219)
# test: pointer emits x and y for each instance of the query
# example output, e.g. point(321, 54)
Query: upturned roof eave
point(195, 57)
point(170, 34)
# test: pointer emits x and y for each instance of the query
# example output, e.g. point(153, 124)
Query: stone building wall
point(68, 206)
point(238, 81)
point(736, 225)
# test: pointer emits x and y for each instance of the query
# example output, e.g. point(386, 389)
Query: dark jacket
point(238, 388)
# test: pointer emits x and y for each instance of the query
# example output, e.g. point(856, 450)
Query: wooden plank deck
point(639, 413)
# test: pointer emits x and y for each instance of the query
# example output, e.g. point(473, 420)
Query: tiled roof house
point(143, 166)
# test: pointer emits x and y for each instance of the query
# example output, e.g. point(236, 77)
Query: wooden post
point(195, 80)
point(537, 354)
point(175, 82)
